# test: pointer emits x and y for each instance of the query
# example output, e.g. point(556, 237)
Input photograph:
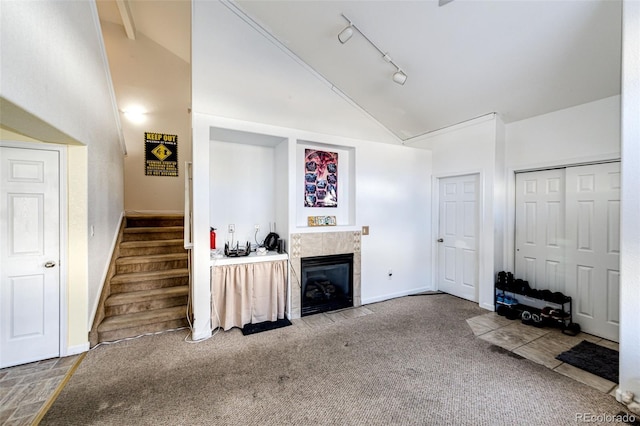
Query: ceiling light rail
point(345, 35)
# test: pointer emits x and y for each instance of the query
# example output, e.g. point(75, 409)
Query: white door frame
point(62, 152)
point(435, 226)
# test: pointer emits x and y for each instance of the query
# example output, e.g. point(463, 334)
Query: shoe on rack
point(512, 314)
point(558, 298)
point(546, 295)
point(510, 301)
point(560, 315)
point(546, 312)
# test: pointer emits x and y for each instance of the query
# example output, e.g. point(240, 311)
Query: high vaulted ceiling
point(464, 59)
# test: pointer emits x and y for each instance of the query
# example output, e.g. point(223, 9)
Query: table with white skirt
point(249, 289)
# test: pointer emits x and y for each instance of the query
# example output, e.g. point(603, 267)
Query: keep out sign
point(160, 154)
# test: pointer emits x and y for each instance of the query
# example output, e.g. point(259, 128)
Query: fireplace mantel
point(321, 244)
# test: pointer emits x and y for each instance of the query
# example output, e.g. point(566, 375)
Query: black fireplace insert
point(327, 283)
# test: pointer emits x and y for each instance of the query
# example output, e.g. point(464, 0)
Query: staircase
point(148, 283)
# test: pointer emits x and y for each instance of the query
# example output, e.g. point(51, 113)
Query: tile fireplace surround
point(322, 244)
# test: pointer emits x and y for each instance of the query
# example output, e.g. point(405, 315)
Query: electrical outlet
point(257, 227)
point(232, 228)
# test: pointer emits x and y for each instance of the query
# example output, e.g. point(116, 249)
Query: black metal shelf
point(537, 311)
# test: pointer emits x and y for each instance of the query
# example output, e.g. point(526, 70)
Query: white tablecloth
point(248, 293)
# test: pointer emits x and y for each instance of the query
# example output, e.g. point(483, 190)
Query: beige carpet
point(414, 360)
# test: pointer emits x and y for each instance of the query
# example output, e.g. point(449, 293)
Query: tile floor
point(540, 345)
point(29, 388)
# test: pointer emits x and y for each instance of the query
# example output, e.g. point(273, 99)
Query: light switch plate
point(365, 230)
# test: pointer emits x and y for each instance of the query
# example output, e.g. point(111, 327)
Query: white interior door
point(540, 219)
point(30, 252)
point(593, 257)
point(458, 236)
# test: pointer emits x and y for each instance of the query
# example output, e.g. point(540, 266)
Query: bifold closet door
point(540, 228)
point(593, 247)
point(568, 239)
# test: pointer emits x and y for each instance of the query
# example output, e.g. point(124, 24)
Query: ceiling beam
point(127, 18)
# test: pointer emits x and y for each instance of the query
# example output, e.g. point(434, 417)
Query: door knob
point(440, 240)
point(50, 264)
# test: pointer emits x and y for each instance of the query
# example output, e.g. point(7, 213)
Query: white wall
point(241, 80)
point(242, 190)
point(393, 198)
point(53, 68)
point(585, 133)
point(148, 75)
point(630, 220)
point(470, 148)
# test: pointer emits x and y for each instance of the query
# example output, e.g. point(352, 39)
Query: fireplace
point(327, 283)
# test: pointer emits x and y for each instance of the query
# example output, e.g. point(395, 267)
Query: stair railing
point(188, 196)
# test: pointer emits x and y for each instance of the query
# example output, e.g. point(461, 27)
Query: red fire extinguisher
point(212, 237)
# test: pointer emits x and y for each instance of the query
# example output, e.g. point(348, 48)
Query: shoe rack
point(515, 299)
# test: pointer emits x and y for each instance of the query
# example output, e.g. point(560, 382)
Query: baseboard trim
point(77, 349)
point(201, 335)
point(488, 306)
point(105, 273)
point(395, 295)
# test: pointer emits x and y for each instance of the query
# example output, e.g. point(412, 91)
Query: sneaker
point(560, 315)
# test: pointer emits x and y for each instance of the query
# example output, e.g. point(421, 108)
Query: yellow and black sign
point(160, 154)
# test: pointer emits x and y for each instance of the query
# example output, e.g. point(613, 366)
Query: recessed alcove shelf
point(247, 185)
point(345, 211)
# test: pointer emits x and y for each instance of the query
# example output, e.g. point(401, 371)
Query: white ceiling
point(463, 60)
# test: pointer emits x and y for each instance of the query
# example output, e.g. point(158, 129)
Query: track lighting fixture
point(399, 77)
point(345, 35)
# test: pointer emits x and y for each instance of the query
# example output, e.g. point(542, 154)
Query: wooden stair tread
point(151, 243)
point(142, 295)
point(149, 275)
point(152, 229)
point(142, 318)
point(147, 258)
point(148, 287)
point(155, 216)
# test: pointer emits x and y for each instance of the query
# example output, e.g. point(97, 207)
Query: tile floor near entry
point(540, 345)
point(26, 389)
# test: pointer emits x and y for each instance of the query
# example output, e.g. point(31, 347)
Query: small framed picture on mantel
point(321, 220)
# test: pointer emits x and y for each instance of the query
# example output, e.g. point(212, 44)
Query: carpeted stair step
point(138, 301)
point(153, 233)
point(131, 325)
point(154, 262)
point(136, 221)
point(138, 248)
point(137, 281)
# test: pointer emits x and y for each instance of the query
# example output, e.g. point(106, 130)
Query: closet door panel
point(540, 226)
point(593, 239)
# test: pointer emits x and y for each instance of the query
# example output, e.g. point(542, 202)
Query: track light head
point(345, 34)
point(399, 77)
